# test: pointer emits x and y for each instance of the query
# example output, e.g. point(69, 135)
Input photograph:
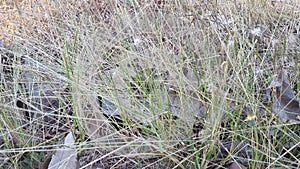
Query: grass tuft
point(148, 84)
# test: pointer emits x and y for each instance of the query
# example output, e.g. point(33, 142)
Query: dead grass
point(151, 84)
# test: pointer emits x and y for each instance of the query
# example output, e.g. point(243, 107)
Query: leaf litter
point(65, 157)
point(286, 105)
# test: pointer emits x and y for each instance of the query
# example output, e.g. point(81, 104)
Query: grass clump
point(150, 84)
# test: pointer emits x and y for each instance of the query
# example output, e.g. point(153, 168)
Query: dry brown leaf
point(236, 165)
point(66, 157)
point(286, 105)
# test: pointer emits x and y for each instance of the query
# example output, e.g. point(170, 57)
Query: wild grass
point(148, 84)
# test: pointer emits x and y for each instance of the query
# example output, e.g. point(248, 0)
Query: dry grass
point(180, 77)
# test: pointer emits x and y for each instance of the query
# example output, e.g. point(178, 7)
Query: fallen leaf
point(286, 106)
point(236, 165)
point(66, 157)
point(240, 149)
point(45, 164)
